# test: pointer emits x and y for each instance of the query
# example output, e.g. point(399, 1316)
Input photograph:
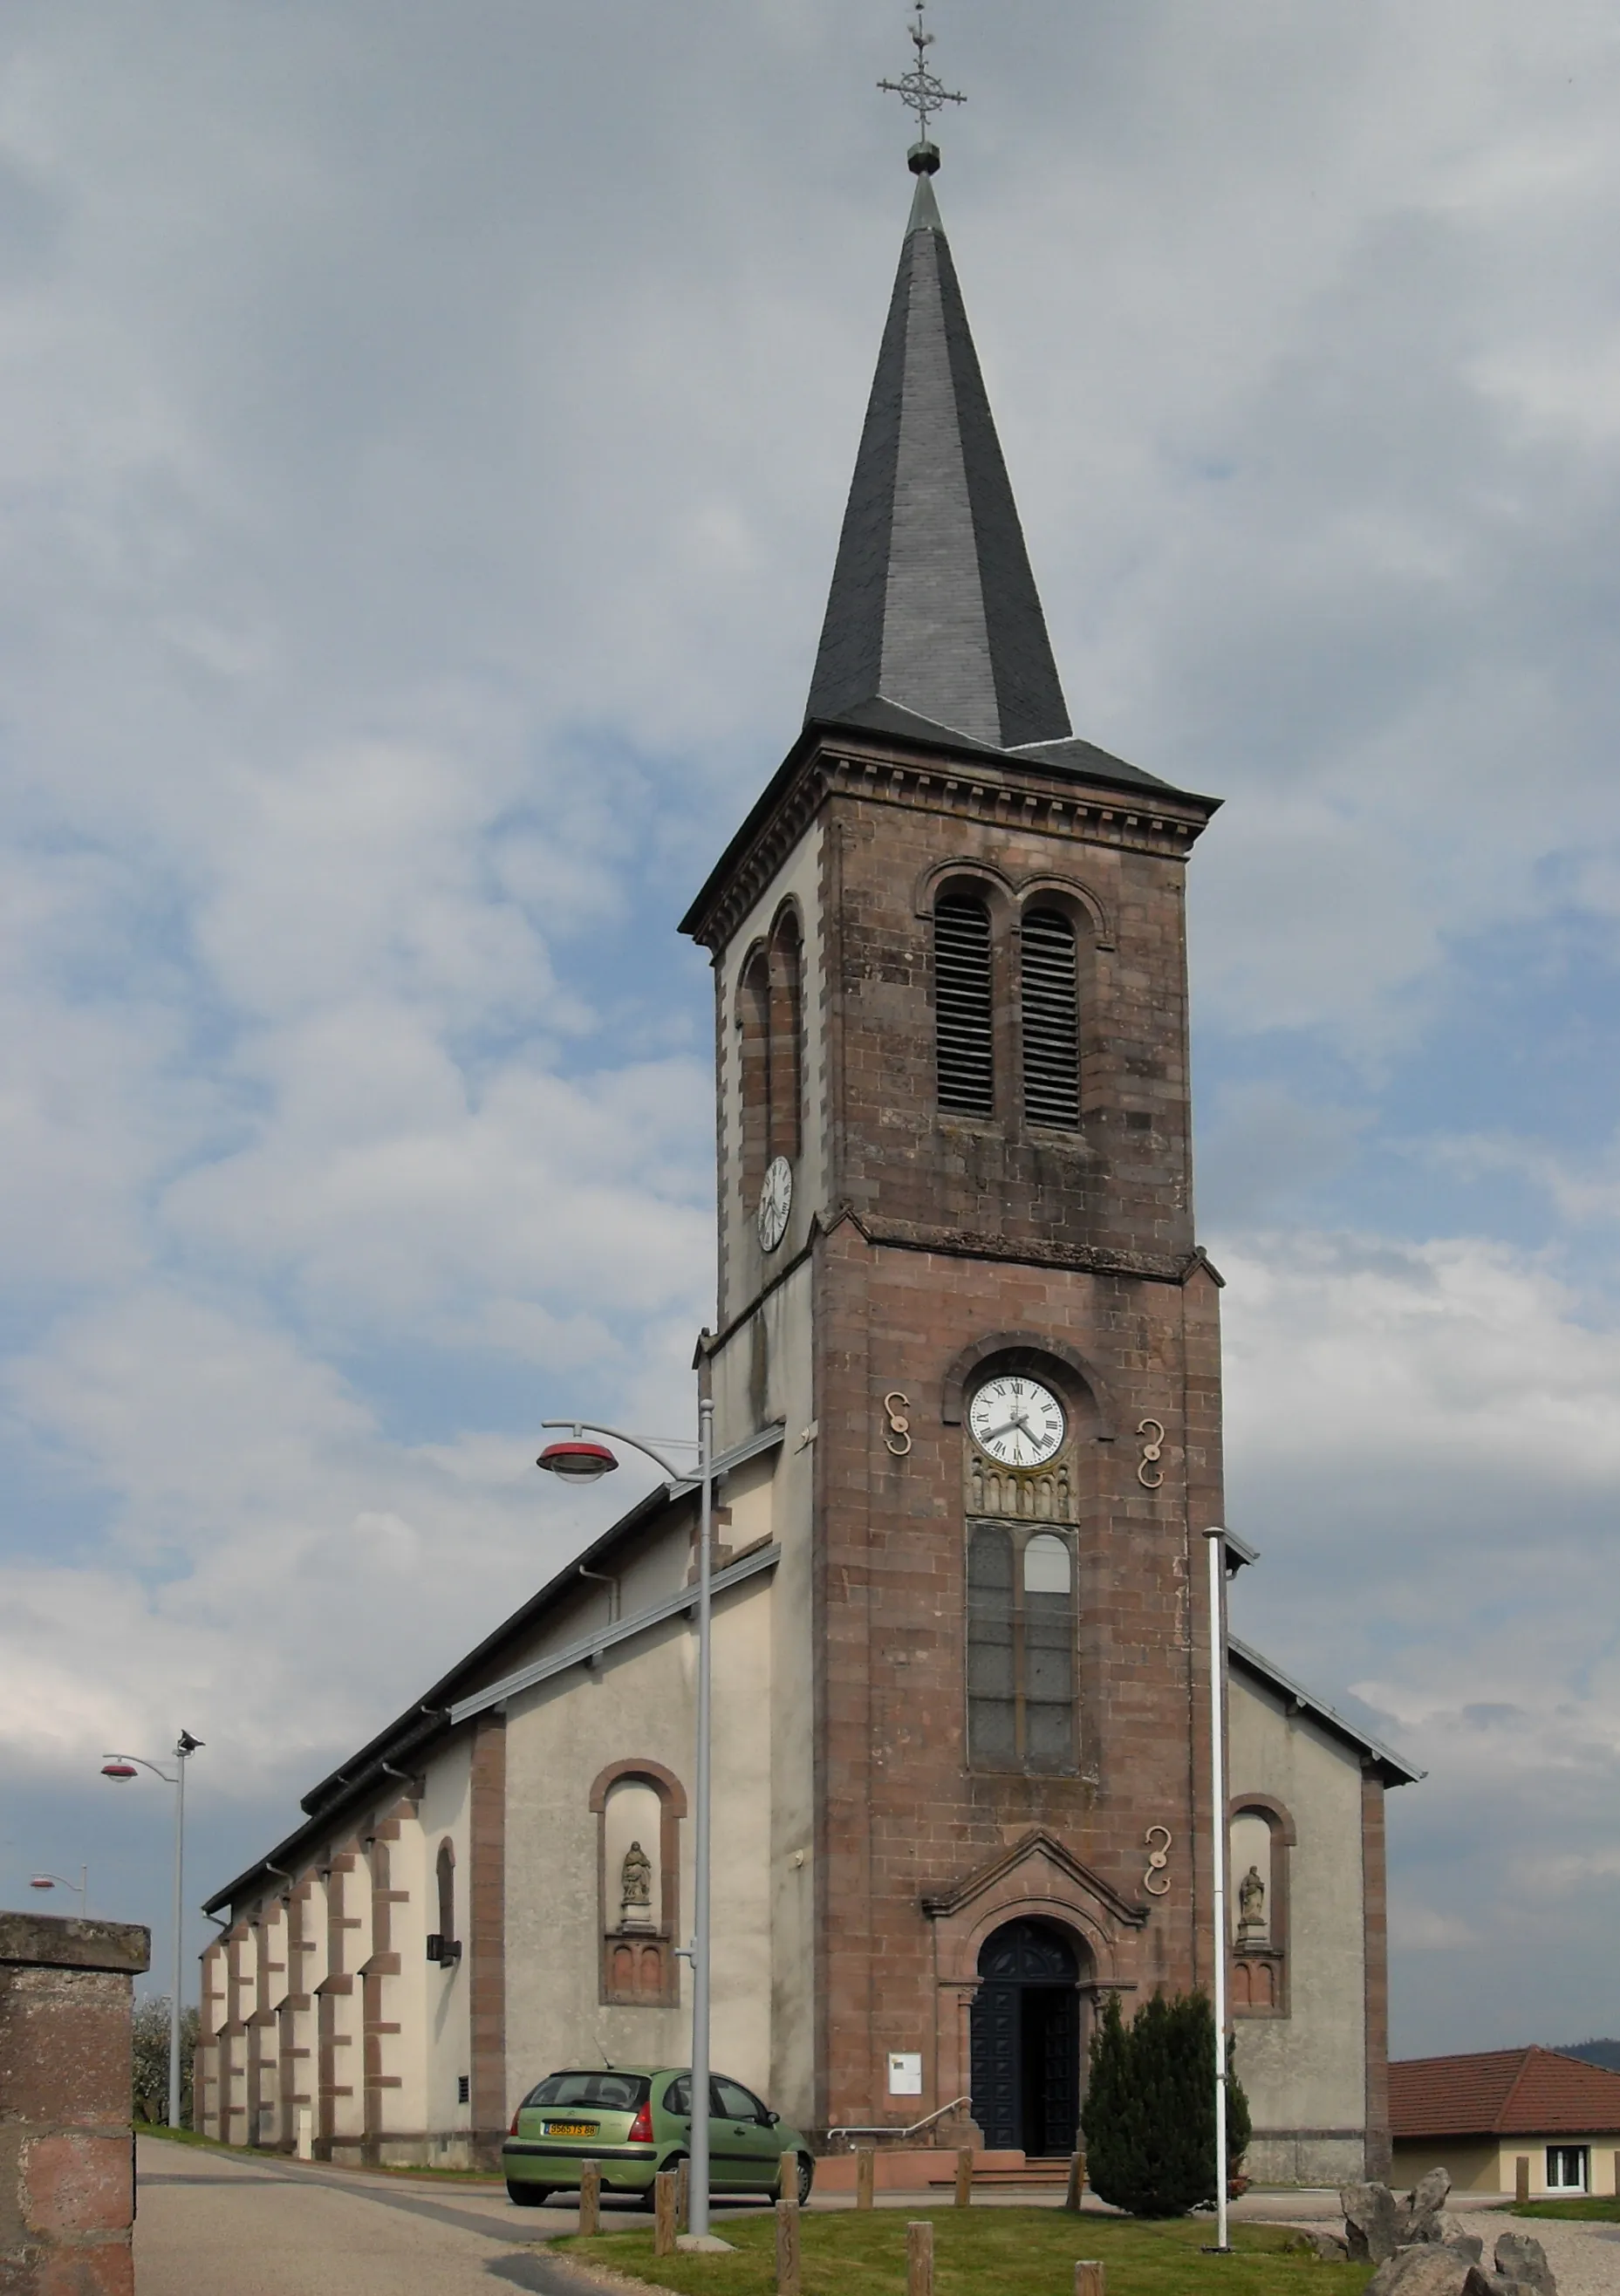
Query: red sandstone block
point(77, 2184)
point(104, 2271)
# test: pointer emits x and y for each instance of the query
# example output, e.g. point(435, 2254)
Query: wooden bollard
point(965, 2177)
point(590, 2200)
point(787, 2177)
point(788, 2248)
point(920, 2258)
point(1077, 2182)
point(664, 2214)
point(1521, 2177)
point(866, 2163)
point(1089, 2277)
point(683, 2195)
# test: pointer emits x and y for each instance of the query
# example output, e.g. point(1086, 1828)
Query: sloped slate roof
point(1502, 2093)
point(934, 606)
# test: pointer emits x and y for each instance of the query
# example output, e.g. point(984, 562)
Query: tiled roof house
point(1508, 2119)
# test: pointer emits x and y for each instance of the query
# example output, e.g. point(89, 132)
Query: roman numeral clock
point(1017, 1421)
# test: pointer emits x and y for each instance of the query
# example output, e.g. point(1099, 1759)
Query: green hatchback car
point(637, 2120)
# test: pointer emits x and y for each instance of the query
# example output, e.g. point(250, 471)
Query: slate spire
point(933, 608)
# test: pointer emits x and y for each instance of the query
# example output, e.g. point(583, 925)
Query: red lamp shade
point(41, 1882)
point(114, 1768)
point(577, 1463)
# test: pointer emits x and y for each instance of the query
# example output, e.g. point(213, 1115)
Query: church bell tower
point(959, 1268)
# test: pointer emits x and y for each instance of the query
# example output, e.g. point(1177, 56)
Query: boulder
point(1316, 2240)
point(1518, 2257)
point(1372, 2222)
point(1419, 2217)
point(1429, 2268)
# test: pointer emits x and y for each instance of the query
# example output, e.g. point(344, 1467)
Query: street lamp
point(61, 1880)
point(123, 1768)
point(577, 1461)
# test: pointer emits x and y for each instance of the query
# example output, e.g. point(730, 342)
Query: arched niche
point(638, 1805)
point(1261, 1835)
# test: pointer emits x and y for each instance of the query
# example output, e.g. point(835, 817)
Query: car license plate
point(570, 2129)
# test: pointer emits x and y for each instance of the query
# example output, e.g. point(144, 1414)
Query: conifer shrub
point(1149, 2117)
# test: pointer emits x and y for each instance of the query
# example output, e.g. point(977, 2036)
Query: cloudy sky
point(422, 436)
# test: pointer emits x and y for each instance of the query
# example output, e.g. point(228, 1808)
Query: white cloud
point(1421, 1439)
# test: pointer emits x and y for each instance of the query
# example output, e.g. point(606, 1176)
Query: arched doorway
point(1027, 2039)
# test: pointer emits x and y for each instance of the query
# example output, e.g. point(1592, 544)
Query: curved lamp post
point(577, 1461)
point(60, 1882)
point(123, 1768)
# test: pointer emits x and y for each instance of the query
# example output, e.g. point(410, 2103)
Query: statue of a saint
point(635, 1887)
point(1250, 1904)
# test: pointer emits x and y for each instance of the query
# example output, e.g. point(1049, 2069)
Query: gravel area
point(1585, 2258)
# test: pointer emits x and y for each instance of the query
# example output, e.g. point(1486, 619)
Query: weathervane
point(925, 93)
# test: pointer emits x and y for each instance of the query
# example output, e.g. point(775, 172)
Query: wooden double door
point(1027, 2037)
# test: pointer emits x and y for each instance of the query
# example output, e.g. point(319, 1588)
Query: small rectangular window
point(464, 2088)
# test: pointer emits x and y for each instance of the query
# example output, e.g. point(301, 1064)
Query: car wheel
point(649, 2196)
point(527, 2196)
point(806, 2178)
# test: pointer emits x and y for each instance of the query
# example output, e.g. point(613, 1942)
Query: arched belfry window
point(1050, 1013)
point(754, 1049)
point(786, 1084)
point(964, 1018)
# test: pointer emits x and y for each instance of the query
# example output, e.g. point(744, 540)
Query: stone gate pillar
point(67, 2183)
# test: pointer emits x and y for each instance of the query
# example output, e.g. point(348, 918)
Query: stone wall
point(67, 2185)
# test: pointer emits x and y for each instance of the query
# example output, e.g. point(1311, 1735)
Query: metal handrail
point(874, 2128)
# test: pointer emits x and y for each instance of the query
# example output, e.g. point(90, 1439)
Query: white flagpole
point(1217, 1763)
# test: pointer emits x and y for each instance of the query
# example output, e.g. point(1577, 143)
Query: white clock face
point(776, 1202)
point(1016, 1421)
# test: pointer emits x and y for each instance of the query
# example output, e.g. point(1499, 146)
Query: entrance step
point(1041, 2174)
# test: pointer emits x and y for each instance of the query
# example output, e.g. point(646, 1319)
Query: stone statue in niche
point(1251, 1909)
point(636, 1888)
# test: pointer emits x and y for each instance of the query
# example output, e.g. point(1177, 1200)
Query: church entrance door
point(1026, 2040)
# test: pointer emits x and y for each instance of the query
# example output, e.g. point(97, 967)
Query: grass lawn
point(983, 2253)
point(1588, 2211)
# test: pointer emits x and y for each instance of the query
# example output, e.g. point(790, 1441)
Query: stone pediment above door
point(1038, 1877)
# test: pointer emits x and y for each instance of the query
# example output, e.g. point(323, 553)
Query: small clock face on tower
point(1016, 1421)
point(776, 1202)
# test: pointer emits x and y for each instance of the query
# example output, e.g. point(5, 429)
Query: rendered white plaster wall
point(640, 1704)
point(434, 1999)
point(1307, 2070)
point(765, 1372)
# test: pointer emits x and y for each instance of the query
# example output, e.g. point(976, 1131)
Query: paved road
point(211, 2226)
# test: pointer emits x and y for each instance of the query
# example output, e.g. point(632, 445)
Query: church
point(966, 1375)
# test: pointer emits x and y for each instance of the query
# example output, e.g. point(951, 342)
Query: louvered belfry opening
point(1051, 1020)
point(963, 1021)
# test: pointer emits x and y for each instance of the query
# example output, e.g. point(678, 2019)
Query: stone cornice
point(959, 1243)
point(1005, 791)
